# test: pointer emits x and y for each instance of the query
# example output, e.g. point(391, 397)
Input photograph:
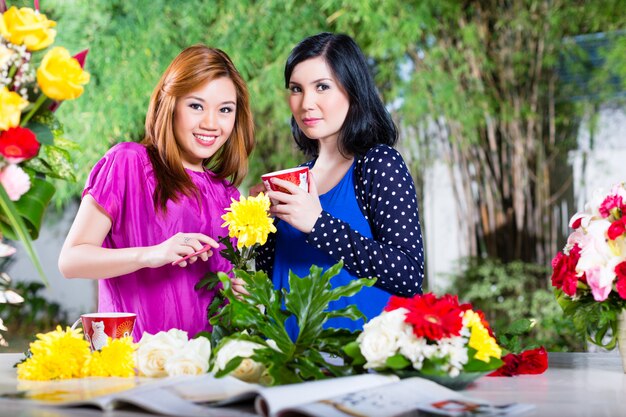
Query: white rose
point(179, 336)
point(248, 370)
point(381, 337)
point(192, 359)
point(153, 351)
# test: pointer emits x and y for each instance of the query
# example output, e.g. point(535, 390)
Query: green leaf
point(42, 132)
point(353, 350)
point(310, 296)
point(519, 327)
point(19, 228)
point(397, 361)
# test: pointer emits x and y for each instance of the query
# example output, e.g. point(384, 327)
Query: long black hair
point(368, 123)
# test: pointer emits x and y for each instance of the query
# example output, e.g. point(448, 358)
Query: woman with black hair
point(361, 206)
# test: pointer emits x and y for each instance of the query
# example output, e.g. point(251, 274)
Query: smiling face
point(318, 102)
point(203, 121)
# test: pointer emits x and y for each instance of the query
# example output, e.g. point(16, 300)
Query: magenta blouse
point(123, 184)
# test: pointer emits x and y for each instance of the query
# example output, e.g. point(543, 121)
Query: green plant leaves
point(263, 312)
point(12, 224)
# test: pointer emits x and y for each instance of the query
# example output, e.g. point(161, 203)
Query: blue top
point(385, 195)
point(295, 254)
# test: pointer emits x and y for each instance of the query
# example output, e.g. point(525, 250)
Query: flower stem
point(38, 103)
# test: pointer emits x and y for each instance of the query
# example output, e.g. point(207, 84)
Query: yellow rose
point(27, 27)
point(12, 105)
point(60, 76)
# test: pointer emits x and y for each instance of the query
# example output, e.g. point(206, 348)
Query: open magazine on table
point(360, 395)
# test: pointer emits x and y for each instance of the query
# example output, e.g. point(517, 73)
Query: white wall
point(600, 161)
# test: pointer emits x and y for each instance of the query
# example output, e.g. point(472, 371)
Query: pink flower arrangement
point(591, 269)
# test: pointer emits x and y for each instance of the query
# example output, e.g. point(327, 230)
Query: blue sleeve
point(395, 254)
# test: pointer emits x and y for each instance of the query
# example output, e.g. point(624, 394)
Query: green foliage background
point(132, 42)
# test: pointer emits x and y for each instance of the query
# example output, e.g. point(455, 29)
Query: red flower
point(18, 144)
point(534, 361)
point(529, 362)
point(609, 203)
point(564, 270)
point(509, 367)
point(617, 228)
point(431, 317)
point(620, 271)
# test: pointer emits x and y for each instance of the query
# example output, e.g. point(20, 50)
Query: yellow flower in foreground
point(12, 105)
point(485, 345)
point(248, 220)
point(117, 358)
point(60, 76)
point(27, 27)
point(55, 355)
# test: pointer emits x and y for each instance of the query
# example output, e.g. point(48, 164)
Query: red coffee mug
point(298, 176)
point(98, 327)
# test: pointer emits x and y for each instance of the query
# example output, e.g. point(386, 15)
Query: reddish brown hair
point(193, 67)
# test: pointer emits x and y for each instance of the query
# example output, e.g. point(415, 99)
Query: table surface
point(575, 385)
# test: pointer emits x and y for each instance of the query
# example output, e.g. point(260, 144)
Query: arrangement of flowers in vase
point(34, 80)
point(589, 275)
point(428, 336)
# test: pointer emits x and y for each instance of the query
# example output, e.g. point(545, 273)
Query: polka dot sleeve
point(395, 254)
point(264, 260)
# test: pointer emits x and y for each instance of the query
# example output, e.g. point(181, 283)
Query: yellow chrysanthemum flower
point(117, 358)
point(248, 220)
point(57, 354)
point(480, 339)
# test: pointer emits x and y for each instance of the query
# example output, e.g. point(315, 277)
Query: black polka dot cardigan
point(386, 194)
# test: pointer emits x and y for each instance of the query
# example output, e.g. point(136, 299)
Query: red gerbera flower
point(18, 144)
point(431, 317)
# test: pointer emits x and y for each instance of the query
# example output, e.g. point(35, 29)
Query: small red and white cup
point(98, 327)
point(298, 176)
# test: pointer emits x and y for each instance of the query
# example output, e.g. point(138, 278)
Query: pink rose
point(15, 181)
point(600, 286)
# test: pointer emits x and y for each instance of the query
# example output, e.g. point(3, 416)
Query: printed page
point(403, 398)
point(272, 400)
